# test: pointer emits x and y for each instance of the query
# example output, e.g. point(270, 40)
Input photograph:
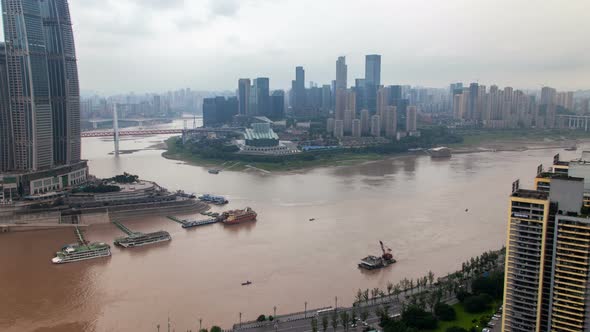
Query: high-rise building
point(356, 128)
point(262, 92)
point(341, 73)
point(6, 144)
point(411, 119)
point(372, 80)
point(41, 108)
point(244, 95)
point(277, 104)
point(548, 96)
point(348, 116)
point(365, 122)
point(339, 128)
point(63, 80)
point(28, 79)
point(298, 88)
point(382, 103)
point(345, 100)
point(375, 126)
point(361, 93)
point(326, 98)
point(547, 254)
point(219, 110)
point(330, 125)
point(390, 118)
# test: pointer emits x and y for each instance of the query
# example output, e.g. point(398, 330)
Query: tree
point(364, 315)
point(359, 296)
point(456, 329)
point(344, 319)
point(366, 295)
point(203, 330)
point(396, 291)
point(374, 294)
point(477, 303)
point(389, 287)
point(430, 278)
point(270, 318)
point(353, 315)
point(411, 286)
point(261, 318)
point(215, 329)
point(325, 323)
point(334, 320)
point(418, 318)
point(445, 312)
point(314, 325)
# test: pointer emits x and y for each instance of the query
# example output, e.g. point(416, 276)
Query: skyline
point(432, 44)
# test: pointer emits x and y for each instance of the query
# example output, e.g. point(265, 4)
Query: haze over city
point(157, 45)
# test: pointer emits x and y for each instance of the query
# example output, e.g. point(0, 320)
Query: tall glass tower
point(43, 88)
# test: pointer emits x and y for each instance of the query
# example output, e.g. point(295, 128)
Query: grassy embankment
point(342, 159)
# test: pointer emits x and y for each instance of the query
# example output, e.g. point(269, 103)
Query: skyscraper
point(277, 104)
point(28, 79)
point(372, 80)
point(63, 81)
point(262, 91)
point(341, 73)
point(298, 88)
point(6, 155)
point(244, 95)
point(375, 126)
point(411, 119)
point(365, 122)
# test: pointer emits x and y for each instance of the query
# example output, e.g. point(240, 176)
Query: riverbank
point(473, 141)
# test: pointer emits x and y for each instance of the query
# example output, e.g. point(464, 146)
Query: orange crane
point(386, 252)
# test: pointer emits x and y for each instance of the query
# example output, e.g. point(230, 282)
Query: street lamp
point(305, 312)
point(240, 320)
point(158, 327)
point(275, 313)
point(335, 303)
point(200, 322)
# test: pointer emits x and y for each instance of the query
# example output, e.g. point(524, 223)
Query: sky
point(160, 45)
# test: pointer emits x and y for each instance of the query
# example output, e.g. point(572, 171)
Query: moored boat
point(141, 239)
point(440, 152)
point(219, 200)
point(238, 216)
point(77, 252)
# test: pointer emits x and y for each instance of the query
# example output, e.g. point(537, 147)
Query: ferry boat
point(195, 223)
point(238, 216)
point(141, 239)
point(77, 252)
point(218, 200)
point(374, 262)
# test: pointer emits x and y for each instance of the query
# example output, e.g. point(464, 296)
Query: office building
point(277, 104)
point(40, 138)
point(262, 96)
point(298, 88)
point(411, 119)
point(341, 73)
point(6, 144)
point(372, 80)
point(326, 98)
point(244, 96)
point(361, 94)
point(356, 128)
point(382, 104)
point(339, 128)
point(218, 111)
point(375, 126)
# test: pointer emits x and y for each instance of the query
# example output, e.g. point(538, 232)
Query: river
point(416, 205)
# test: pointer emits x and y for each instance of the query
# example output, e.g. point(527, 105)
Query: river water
point(416, 205)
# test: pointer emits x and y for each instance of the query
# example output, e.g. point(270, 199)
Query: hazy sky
point(156, 45)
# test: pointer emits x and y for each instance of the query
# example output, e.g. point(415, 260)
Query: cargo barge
point(373, 262)
point(197, 223)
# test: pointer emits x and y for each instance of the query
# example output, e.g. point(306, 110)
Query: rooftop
point(533, 194)
point(549, 175)
point(260, 131)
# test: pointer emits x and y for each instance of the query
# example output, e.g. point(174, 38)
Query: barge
point(440, 152)
point(373, 262)
point(196, 223)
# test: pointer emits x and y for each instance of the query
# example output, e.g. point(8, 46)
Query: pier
point(173, 218)
point(123, 228)
point(80, 236)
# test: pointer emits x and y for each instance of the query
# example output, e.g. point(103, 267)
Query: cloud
point(226, 8)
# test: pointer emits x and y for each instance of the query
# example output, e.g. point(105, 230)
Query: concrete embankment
point(13, 221)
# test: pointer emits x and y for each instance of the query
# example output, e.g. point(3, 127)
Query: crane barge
point(373, 262)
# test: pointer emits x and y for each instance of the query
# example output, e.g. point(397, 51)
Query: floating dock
point(137, 239)
point(193, 223)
